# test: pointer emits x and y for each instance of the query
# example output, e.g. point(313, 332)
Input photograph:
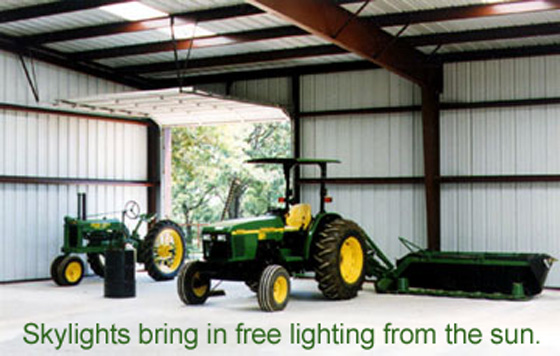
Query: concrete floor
point(157, 304)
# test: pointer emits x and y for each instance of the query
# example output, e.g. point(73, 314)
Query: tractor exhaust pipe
point(82, 206)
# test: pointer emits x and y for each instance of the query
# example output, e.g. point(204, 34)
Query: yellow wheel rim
point(199, 288)
point(168, 250)
point(73, 272)
point(280, 290)
point(351, 260)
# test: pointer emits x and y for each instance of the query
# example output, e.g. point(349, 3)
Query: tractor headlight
point(206, 237)
point(222, 237)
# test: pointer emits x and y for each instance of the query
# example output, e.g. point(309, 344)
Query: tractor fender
point(316, 227)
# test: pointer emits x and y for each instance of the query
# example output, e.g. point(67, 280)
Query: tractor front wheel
point(193, 286)
point(67, 270)
point(274, 288)
point(54, 269)
point(163, 250)
point(339, 257)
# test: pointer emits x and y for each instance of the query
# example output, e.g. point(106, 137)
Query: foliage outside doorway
point(211, 181)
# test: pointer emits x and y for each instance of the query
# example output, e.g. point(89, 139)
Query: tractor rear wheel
point(193, 287)
point(274, 288)
point(163, 250)
point(96, 262)
point(339, 257)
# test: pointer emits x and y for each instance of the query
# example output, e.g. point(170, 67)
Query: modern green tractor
point(265, 251)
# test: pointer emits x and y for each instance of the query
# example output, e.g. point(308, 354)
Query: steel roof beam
point(489, 34)
point(266, 73)
point(202, 42)
point(339, 26)
point(245, 58)
point(465, 12)
point(52, 8)
point(501, 53)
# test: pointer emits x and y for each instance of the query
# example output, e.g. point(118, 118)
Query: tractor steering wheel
point(132, 210)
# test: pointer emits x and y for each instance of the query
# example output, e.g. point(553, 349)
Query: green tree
point(206, 160)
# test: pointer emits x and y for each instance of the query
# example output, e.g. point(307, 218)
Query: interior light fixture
point(133, 11)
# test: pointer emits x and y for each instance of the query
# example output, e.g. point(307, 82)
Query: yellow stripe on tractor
point(262, 232)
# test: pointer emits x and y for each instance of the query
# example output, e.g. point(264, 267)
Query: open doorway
point(210, 180)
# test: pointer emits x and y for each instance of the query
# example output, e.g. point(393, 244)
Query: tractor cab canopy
point(288, 164)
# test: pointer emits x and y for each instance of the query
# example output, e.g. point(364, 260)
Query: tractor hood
point(255, 223)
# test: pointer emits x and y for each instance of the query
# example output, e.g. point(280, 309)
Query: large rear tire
point(193, 287)
point(274, 288)
point(96, 262)
point(163, 250)
point(339, 257)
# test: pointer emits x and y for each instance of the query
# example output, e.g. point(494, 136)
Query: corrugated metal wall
point(509, 141)
point(31, 216)
point(369, 146)
point(271, 91)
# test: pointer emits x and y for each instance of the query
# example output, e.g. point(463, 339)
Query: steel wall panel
point(502, 141)
point(505, 217)
point(387, 145)
point(31, 216)
point(379, 145)
point(269, 91)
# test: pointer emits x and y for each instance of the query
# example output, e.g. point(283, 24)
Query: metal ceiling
point(84, 37)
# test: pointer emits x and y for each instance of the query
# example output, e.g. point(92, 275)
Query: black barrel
point(120, 278)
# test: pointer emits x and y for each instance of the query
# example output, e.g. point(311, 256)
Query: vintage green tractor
point(162, 250)
point(264, 251)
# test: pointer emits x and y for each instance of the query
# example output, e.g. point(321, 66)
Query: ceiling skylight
point(187, 31)
point(133, 11)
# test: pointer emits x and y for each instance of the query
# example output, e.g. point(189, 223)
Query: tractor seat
point(298, 217)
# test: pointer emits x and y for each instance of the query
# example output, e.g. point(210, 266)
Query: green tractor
point(162, 250)
point(265, 251)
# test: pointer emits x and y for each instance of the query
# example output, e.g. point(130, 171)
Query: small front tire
point(274, 288)
point(54, 269)
point(70, 271)
point(193, 286)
